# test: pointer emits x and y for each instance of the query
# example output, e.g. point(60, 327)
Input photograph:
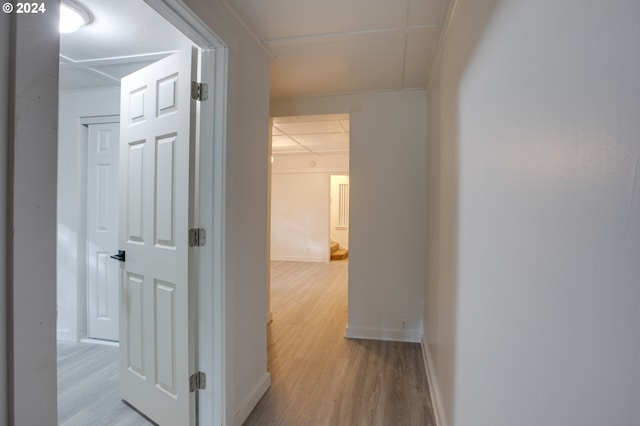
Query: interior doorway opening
point(309, 220)
point(307, 291)
point(306, 151)
point(91, 65)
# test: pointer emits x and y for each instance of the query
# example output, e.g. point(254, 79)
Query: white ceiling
point(310, 134)
point(318, 47)
point(123, 37)
point(344, 46)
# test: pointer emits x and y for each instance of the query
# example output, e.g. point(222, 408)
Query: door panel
point(157, 345)
point(102, 231)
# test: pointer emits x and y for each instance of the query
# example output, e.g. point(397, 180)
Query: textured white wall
point(538, 105)
point(33, 246)
point(387, 207)
point(71, 202)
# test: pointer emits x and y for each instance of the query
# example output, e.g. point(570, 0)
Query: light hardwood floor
point(318, 377)
point(321, 378)
point(88, 387)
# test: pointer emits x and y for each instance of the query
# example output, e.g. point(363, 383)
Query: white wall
point(71, 208)
point(300, 217)
point(300, 188)
point(32, 200)
point(387, 207)
point(538, 149)
point(246, 224)
point(4, 113)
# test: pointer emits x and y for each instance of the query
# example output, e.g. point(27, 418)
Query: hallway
point(321, 378)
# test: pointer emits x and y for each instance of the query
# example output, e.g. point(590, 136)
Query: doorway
point(306, 151)
point(95, 99)
point(307, 292)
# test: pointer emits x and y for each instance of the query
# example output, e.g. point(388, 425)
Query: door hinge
point(199, 91)
point(197, 381)
point(197, 237)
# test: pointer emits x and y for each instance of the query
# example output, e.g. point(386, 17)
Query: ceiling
point(318, 47)
point(310, 134)
point(115, 43)
point(344, 46)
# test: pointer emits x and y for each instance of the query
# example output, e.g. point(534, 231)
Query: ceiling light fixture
point(72, 16)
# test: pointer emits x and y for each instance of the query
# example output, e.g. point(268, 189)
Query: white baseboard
point(434, 390)
point(65, 335)
point(383, 334)
point(100, 342)
point(299, 259)
point(252, 400)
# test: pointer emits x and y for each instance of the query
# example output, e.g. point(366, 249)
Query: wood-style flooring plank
point(319, 377)
point(88, 392)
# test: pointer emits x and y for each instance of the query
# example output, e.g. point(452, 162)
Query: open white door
point(156, 327)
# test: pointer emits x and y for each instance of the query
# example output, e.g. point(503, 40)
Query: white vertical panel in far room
point(343, 206)
point(340, 209)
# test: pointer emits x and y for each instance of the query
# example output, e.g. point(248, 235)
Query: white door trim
point(209, 210)
point(99, 119)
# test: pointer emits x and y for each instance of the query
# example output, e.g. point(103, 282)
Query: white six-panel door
point(156, 348)
point(102, 231)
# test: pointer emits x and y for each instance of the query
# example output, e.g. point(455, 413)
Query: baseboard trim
point(383, 334)
point(299, 259)
point(250, 402)
point(100, 342)
point(65, 335)
point(434, 390)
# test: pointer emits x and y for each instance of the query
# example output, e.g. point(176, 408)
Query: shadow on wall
point(443, 169)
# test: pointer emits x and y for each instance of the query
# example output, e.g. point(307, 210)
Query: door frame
point(208, 209)
point(31, 212)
